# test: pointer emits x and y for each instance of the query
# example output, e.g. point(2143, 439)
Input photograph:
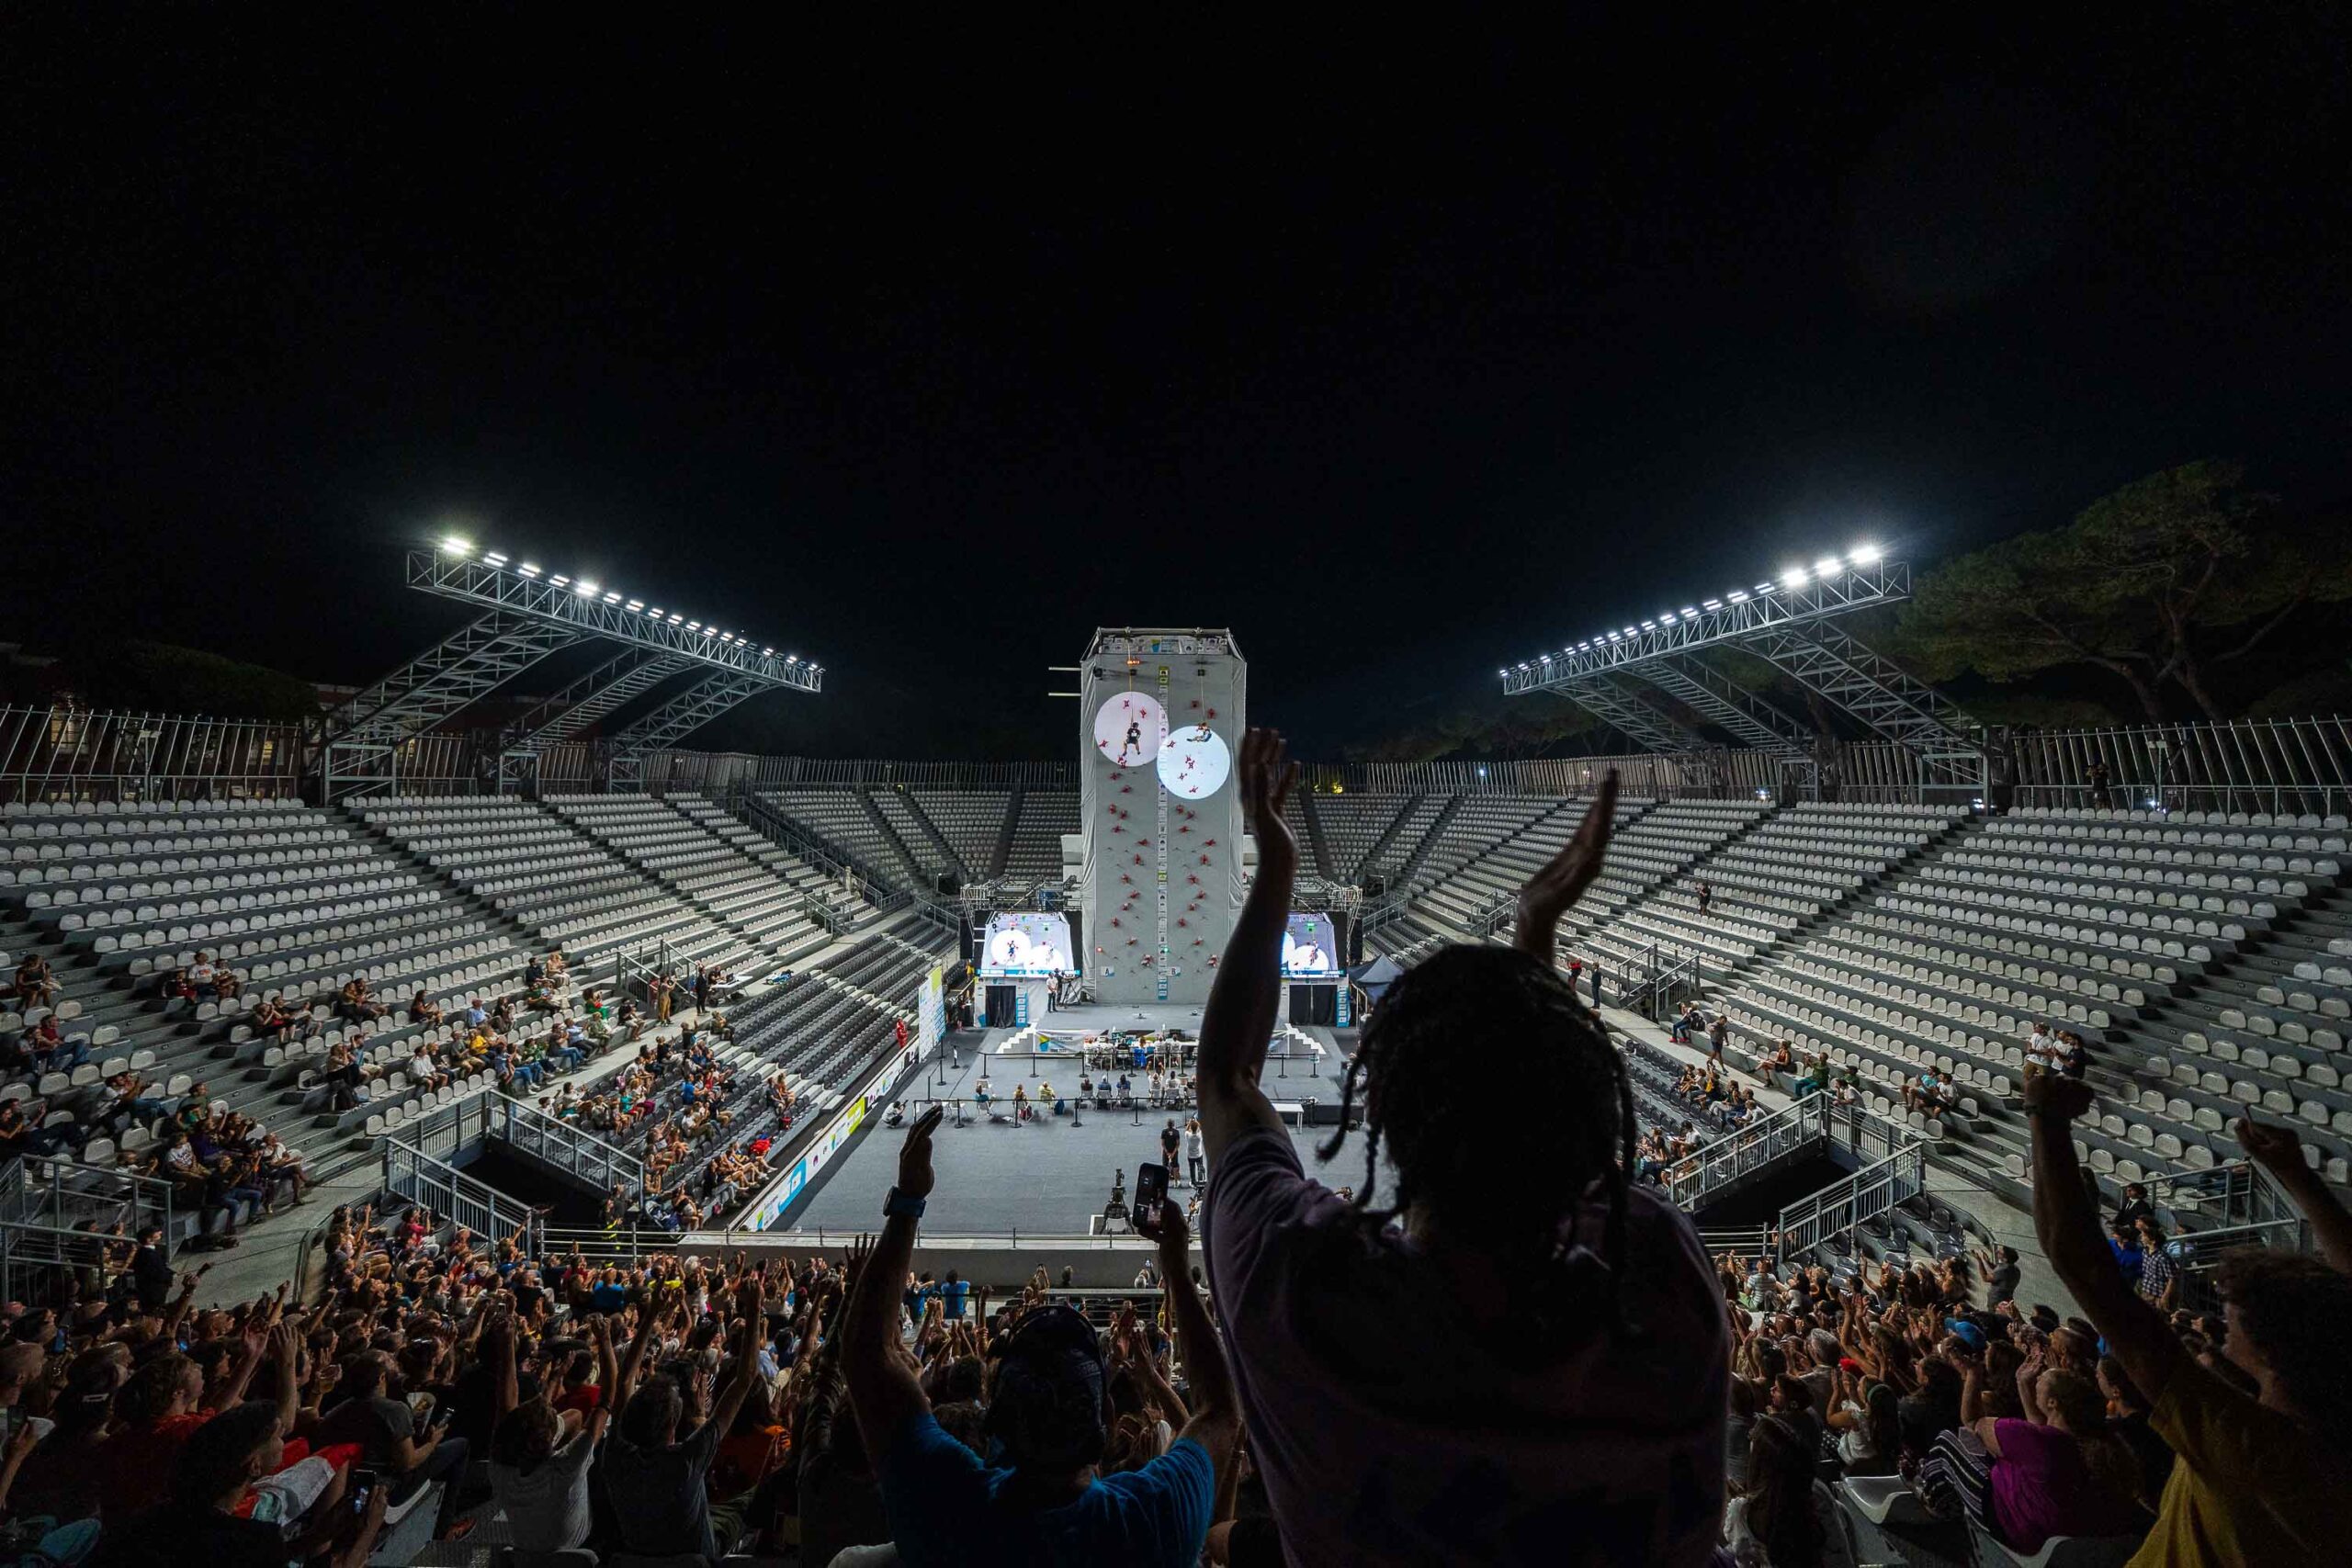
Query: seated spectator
point(35, 985)
point(212, 1513)
point(422, 1010)
point(2263, 1463)
point(1599, 1278)
point(1780, 1517)
point(2058, 1473)
point(385, 1428)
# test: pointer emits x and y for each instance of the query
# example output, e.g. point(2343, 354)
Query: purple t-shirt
point(1393, 1427)
point(2041, 1487)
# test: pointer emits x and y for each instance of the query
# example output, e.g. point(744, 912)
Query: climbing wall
point(1161, 717)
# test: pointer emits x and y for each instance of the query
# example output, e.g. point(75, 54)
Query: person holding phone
point(216, 1468)
point(1050, 1419)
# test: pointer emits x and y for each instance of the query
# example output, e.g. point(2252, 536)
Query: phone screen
point(363, 1482)
point(1151, 1191)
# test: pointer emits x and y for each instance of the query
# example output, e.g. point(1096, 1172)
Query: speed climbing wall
point(1161, 719)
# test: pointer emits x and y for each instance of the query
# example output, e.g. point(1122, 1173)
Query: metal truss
point(1720, 701)
point(603, 690)
point(1823, 659)
point(1734, 619)
point(466, 666)
point(1635, 719)
point(589, 613)
point(685, 714)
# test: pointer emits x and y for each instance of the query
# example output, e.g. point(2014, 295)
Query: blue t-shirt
point(952, 1296)
point(946, 1506)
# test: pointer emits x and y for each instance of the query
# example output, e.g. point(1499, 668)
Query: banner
point(930, 1012)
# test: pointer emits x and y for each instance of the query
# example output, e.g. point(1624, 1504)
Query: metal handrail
point(560, 1143)
point(450, 1194)
point(1791, 1128)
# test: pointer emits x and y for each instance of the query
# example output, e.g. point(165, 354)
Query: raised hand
point(2054, 1094)
point(1266, 775)
point(2273, 1146)
point(914, 1155)
point(1550, 892)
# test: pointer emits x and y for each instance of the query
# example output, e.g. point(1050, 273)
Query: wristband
point(901, 1205)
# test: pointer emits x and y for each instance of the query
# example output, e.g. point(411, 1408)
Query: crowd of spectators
point(1499, 1345)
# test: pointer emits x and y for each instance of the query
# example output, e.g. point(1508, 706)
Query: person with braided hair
point(1521, 1357)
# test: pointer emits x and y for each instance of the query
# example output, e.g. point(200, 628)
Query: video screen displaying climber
point(1026, 942)
point(1310, 948)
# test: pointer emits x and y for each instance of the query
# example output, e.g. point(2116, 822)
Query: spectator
point(2058, 1473)
point(653, 1477)
point(1603, 1420)
point(1049, 1415)
point(2261, 1474)
point(1781, 1518)
point(539, 1455)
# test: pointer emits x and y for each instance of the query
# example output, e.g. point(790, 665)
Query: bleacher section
point(759, 895)
point(1045, 815)
point(2206, 960)
point(844, 818)
point(557, 879)
point(971, 823)
point(294, 899)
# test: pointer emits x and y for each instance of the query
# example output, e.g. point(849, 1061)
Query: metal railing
point(1786, 1132)
point(561, 1145)
point(2294, 765)
point(56, 1214)
point(450, 1194)
point(1837, 1209)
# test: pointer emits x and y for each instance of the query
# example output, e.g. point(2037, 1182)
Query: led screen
point(1026, 943)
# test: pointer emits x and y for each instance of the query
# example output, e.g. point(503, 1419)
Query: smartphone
point(1151, 1191)
point(364, 1482)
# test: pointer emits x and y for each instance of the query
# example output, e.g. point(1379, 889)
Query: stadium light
point(767, 653)
point(611, 598)
point(1691, 615)
point(1714, 603)
point(1616, 636)
point(492, 558)
point(635, 604)
point(1863, 554)
point(585, 589)
point(557, 579)
point(1765, 587)
point(795, 659)
point(1737, 596)
point(452, 545)
point(1827, 565)
point(528, 570)
point(691, 626)
point(1793, 578)
point(675, 617)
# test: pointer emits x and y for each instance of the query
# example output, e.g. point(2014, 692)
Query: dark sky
point(925, 354)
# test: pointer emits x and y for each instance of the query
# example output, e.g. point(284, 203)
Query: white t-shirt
point(547, 1509)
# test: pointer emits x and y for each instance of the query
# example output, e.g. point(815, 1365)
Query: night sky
point(924, 356)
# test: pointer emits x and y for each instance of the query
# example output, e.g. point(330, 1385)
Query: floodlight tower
point(1161, 717)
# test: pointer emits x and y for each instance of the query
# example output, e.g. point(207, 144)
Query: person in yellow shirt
point(2261, 1477)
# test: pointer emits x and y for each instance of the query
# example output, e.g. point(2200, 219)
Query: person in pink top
point(1523, 1357)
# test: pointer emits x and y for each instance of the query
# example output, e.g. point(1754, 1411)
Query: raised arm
point(2280, 1153)
point(746, 1374)
point(1239, 1018)
point(1215, 1416)
point(2065, 1219)
point(1550, 892)
point(883, 1387)
point(649, 1323)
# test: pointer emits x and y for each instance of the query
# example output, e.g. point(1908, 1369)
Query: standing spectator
point(1171, 1141)
point(2001, 1275)
point(2261, 1476)
point(1195, 1155)
point(1575, 1380)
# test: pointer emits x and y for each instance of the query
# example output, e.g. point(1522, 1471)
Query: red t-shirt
point(136, 1464)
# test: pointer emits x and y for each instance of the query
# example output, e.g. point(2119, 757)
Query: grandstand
point(760, 937)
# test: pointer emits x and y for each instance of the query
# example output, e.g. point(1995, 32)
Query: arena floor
point(1052, 1175)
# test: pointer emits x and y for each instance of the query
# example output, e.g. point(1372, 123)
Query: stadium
point(1837, 1062)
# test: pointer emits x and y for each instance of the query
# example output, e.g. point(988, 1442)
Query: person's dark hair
point(215, 1456)
point(965, 1422)
point(363, 1375)
point(2078, 1403)
point(1793, 1391)
point(651, 1413)
point(526, 1436)
point(2293, 1308)
point(1779, 1494)
point(1880, 1417)
point(150, 1391)
point(1047, 1409)
point(1439, 1128)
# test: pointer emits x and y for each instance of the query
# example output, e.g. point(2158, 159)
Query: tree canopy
point(2163, 585)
